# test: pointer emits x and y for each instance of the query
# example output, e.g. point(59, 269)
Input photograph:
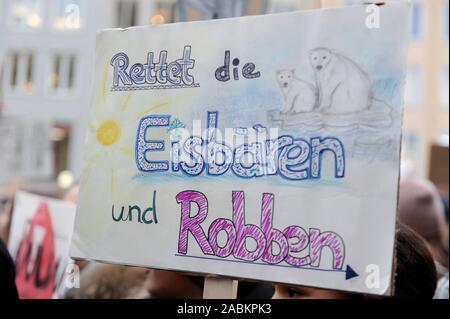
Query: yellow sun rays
point(109, 130)
point(105, 79)
point(152, 108)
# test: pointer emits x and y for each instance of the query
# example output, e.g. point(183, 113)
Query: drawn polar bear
point(343, 87)
point(299, 96)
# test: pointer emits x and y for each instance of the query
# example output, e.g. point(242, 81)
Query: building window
point(417, 21)
point(443, 139)
point(19, 70)
point(445, 19)
point(60, 137)
point(2, 87)
point(284, 6)
point(26, 14)
point(20, 158)
point(126, 13)
point(444, 95)
point(206, 10)
point(412, 152)
point(67, 15)
point(414, 86)
point(164, 12)
point(63, 73)
point(354, 2)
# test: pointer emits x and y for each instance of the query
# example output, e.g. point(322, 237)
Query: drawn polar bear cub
point(299, 95)
point(343, 86)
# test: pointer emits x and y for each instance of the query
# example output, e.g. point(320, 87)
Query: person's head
point(165, 284)
point(421, 208)
point(415, 277)
point(302, 292)
point(106, 281)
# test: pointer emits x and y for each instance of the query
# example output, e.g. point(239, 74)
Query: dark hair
point(416, 276)
point(198, 281)
point(8, 289)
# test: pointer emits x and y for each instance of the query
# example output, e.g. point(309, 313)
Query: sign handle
point(220, 288)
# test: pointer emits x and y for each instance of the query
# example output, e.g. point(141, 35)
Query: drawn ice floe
point(344, 102)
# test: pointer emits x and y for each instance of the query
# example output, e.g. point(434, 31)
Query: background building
point(426, 118)
point(47, 49)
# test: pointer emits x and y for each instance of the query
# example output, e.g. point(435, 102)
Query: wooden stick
point(220, 288)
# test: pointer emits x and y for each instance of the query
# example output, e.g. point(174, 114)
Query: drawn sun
point(111, 134)
point(108, 132)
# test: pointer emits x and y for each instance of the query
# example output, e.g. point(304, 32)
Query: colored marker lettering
point(290, 241)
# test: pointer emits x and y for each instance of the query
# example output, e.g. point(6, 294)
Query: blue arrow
point(350, 273)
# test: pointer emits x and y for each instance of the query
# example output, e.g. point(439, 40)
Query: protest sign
point(39, 243)
point(262, 147)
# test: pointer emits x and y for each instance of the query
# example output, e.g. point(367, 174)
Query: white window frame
point(444, 20)
point(422, 19)
point(129, 23)
point(443, 86)
point(415, 86)
point(63, 91)
point(21, 72)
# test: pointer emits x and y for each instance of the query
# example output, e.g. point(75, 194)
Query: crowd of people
point(421, 263)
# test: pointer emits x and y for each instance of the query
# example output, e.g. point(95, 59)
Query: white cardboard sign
point(261, 147)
